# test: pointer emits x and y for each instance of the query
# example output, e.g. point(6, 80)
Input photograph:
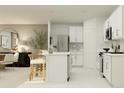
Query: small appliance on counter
point(106, 49)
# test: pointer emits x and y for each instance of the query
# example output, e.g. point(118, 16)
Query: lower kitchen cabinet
point(113, 69)
point(117, 71)
point(77, 59)
point(58, 67)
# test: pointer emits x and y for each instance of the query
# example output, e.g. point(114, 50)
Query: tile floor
point(80, 78)
point(13, 77)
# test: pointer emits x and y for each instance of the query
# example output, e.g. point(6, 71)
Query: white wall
point(25, 31)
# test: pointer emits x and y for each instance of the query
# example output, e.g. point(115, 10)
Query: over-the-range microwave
point(109, 33)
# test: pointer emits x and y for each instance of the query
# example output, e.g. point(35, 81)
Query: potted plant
point(39, 41)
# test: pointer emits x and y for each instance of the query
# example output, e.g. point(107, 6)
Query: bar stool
point(37, 66)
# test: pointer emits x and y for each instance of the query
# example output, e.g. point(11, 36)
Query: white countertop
point(75, 53)
point(57, 53)
point(114, 54)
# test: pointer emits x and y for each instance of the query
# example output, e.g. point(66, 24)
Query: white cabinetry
point(113, 69)
point(117, 70)
point(58, 67)
point(76, 33)
point(77, 59)
point(116, 22)
point(72, 33)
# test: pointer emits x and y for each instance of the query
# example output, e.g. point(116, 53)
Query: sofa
point(6, 57)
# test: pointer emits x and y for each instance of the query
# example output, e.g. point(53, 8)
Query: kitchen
point(66, 40)
point(84, 51)
point(112, 56)
point(77, 44)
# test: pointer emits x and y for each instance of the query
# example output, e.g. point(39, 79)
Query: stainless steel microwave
point(109, 33)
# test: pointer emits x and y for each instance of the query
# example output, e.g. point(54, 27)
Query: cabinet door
point(109, 69)
point(79, 34)
point(76, 33)
point(116, 23)
point(72, 34)
point(73, 59)
point(79, 60)
point(119, 23)
point(113, 25)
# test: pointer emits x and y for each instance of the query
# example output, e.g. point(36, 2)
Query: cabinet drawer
point(77, 59)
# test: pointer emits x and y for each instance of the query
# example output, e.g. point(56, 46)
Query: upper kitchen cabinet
point(76, 33)
point(113, 26)
point(116, 23)
point(106, 26)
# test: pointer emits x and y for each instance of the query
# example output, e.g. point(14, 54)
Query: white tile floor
point(80, 78)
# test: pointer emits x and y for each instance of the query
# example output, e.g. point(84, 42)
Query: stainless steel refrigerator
point(62, 43)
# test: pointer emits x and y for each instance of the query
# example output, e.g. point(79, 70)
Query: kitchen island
point(58, 66)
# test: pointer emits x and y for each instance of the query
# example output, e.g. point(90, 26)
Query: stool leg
point(40, 67)
point(43, 71)
point(31, 72)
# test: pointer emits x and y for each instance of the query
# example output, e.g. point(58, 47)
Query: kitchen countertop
point(57, 53)
point(115, 54)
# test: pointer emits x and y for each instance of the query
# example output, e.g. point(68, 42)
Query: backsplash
point(121, 45)
point(115, 43)
point(76, 46)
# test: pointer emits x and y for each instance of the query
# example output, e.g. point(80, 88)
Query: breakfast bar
point(58, 66)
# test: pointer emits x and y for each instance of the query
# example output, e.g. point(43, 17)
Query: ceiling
point(40, 14)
